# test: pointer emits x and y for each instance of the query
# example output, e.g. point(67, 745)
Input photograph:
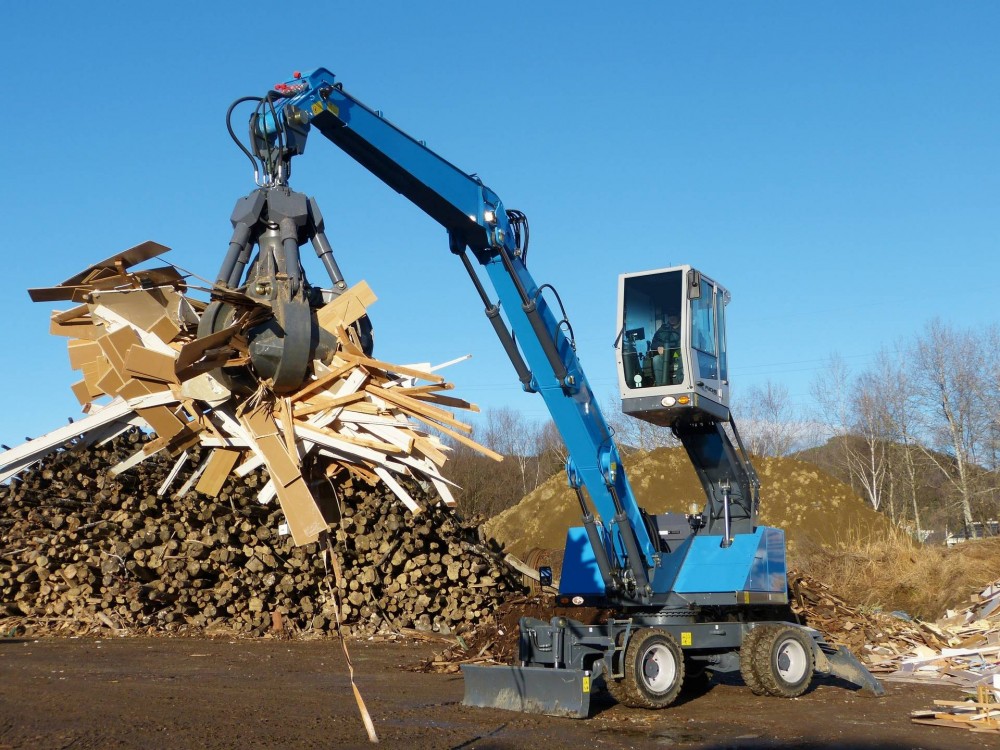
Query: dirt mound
point(811, 506)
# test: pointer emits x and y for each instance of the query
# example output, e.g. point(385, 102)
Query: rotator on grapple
point(689, 592)
point(276, 221)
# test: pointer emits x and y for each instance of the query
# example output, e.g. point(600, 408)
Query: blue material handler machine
point(688, 593)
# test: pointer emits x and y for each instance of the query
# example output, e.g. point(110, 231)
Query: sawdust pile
point(812, 507)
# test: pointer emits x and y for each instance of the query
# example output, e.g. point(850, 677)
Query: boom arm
point(475, 219)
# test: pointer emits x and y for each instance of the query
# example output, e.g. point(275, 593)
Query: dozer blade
point(843, 664)
point(534, 690)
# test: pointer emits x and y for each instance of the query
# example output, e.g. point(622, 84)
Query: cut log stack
point(86, 550)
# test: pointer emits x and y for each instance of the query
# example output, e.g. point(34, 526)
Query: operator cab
point(672, 364)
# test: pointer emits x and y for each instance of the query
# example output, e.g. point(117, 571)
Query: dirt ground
point(84, 693)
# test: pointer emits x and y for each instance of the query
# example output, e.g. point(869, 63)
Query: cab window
point(651, 330)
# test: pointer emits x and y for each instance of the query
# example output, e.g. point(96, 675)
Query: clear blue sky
point(836, 165)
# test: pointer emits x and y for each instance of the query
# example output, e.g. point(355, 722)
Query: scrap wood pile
point(84, 550)
point(981, 715)
point(136, 539)
point(968, 651)
point(961, 649)
point(133, 336)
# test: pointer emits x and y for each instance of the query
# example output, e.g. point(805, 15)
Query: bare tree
point(507, 431)
point(947, 367)
point(867, 453)
point(901, 415)
point(552, 451)
point(635, 434)
point(768, 422)
point(849, 407)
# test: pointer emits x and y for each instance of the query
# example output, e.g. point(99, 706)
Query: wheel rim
point(658, 668)
point(791, 661)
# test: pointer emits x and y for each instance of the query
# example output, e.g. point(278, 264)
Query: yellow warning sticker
point(333, 108)
point(685, 639)
point(586, 684)
point(316, 108)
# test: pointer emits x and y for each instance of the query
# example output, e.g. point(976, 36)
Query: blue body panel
point(753, 562)
point(580, 574)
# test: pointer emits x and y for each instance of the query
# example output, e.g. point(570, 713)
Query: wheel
point(747, 663)
point(616, 689)
point(784, 661)
point(654, 670)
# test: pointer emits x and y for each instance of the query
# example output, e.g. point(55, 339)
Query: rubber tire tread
point(766, 669)
point(616, 689)
point(635, 696)
point(748, 667)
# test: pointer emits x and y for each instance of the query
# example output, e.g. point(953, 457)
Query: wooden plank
point(134, 460)
point(178, 465)
point(141, 307)
point(82, 351)
point(393, 435)
point(288, 427)
point(347, 307)
point(319, 405)
point(82, 392)
point(134, 388)
point(377, 445)
point(418, 408)
point(389, 367)
point(195, 350)
point(116, 321)
point(163, 421)
point(336, 442)
point(444, 491)
point(83, 329)
point(150, 365)
point(441, 400)
point(195, 476)
point(397, 489)
point(165, 329)
point(111, 382)
point(427, 447)
point(264, 431)
point(125, 259)
point(216, 473)
point(115, 346)
point(462, 439)
point(323, 381)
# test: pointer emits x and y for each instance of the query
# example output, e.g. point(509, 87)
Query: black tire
point(747, 661)
point(654, 670)
point(784, 661)
point(616, 689)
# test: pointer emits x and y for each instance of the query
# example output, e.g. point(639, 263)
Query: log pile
point(86, 550)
